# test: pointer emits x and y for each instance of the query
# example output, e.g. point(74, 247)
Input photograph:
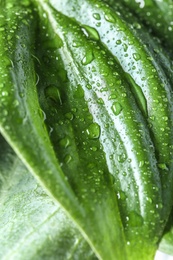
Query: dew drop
point(121, 195)
point(69, 116)
point(88, 58)
point(94, 148)
point(122, 157)
point(67, 158)
point(109, 18)
point(136, 56)
point(96, 16)
point(125, 47)
point(79, 93)
point(162, 166)
point(89, 86)
point(141, 163)
point(112, 96)
point(53, 93)
point(91, 32)
point(118, 42)
point(4, 93)
point(100, 101)
point(93, 131)
point(135, 220)
point(65, 142)
point(116, 108)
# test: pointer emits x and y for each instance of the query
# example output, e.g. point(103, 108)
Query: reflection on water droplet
point(116, 108)
point(93, 131)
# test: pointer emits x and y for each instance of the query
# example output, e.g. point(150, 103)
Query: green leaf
point(166, 243)
point(89, 198)
point(32, 225)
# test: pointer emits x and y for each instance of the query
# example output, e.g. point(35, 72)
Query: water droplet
point(16, 103)
point(134, 219)
point(141, 163)
point(96, 16)
point(118, 42)
point(91, 32)
point(93, 131)
point(65, 142)
point(112, 96)
point(163, 166)
point(4, 93)
point(94, 148)
point(79, 93)
point(89, 86)
point(67, 158)
point(76, 44)
point(121, 195)
point(125, 47)
point(53, 93)
point(69, 116)
point(159, 206)
point(149, 199)
point(136, 56)
point(122, 157)
point(98, 24)
point(116, 108)
point(100, 101)
point(88, 58)
point(109, 18)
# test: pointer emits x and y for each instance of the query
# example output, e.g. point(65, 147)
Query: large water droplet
point(91, 32)
point(109, 18)
point(116, 108)
point(134, 219)
point(163, 166)
point(65, 142)
point(53, 93)
point(67, 158)
point(79, 93)
point(97, 16)
point(136, 56)
point(93, 131)
point(121, 195)
point(88, 58)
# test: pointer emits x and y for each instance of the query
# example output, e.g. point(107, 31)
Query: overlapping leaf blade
point(32, 225)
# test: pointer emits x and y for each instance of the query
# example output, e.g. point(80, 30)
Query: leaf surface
point(33, 226)
point(22, 125)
